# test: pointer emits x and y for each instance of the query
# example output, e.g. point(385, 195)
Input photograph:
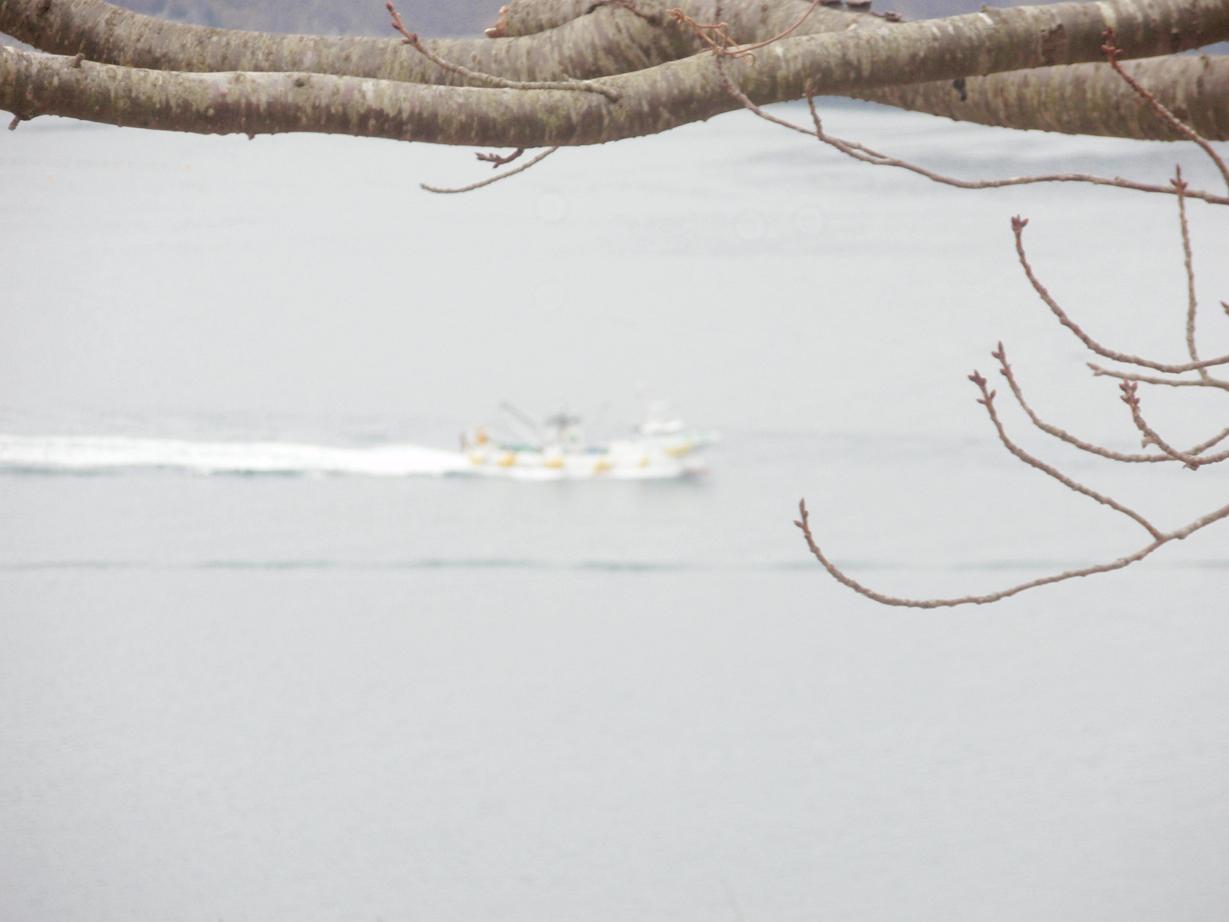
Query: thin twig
point(1098, 371)
point(492, 179)
point(803, 523)
point(716, 35)
point(1130, 396)
point(1017, 226)
point(1209, 443)
point(744, 50)
point(490, 80)
point(1112, 53)
point(1008, 372)
point(654, 18)
point(987, 401)
point(868, 155)
point(864, 154)
point(500, 29)
point(1195, 458)
point(1192, 301)
point(498, 160)
point(1017, 391)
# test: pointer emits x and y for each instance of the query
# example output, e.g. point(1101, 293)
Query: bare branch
point(498, 160)
point(987, 401)
point(715, 35)
point(803, 523)
point(1209, 443)
point(532, 161)
point(866, 154)
point(784, 33)
point(1008, 372)
point(412, 39)
point(530, 17)
point(1130, 396)
point(1098, 371)
point(1112, 54)
point(654, 17)
point(1192, 301)
point(653, 100)
point(1192, 459)
point(1086, 99)
point(1073, 98)
point(1017, 226)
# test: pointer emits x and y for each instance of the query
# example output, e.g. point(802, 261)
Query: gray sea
point(290, 690)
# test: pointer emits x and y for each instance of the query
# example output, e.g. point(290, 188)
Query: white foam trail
point(109, 453)
point(93, 454)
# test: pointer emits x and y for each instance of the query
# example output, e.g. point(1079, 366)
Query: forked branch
point(1195, 458)
point(1017, 227)
point(864, 154)
point(491, 180)
point(498, 160)
point(987, 401)
point(1130, 396)
point(804, 524)
point(492, 80)
point(1113, 54)
point(1110, 454)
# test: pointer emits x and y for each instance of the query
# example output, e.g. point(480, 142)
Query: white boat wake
point(103, 454)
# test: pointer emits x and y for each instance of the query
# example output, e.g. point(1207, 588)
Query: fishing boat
point(556, 448)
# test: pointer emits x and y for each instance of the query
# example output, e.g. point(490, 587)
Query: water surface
point(330, 696)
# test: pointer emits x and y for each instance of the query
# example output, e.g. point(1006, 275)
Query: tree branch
point(1112, 54)
point(1194, 459)
point(1017, 226)
point(491, 180)
point(1130, 396)
point(987, 401)
point(803, 523)
point(606, 40)
point(529, 17)
point(1063, 435)
point(1080, 98)
point(491, 80)
point(652, 100)
point(1099, 371)
point(864, 154)
point(593, 46)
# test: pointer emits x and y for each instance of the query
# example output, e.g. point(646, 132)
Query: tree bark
point(651, 100)
point(527, 17)
point(608, 40)
point(1082, 98)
